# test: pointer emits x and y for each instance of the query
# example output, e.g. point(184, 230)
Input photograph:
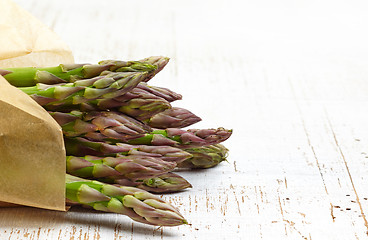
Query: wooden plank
point(281, 75)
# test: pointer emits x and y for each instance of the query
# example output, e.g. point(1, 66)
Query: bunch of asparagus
point(123, 137)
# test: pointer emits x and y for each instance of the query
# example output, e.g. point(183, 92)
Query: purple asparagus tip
point(173, 118)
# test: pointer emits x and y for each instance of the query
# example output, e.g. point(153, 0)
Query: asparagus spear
point(165, 183)
point(130, 167)
point(137, 103)
point(30, 76)
point(122, 66)
point(205, 157)
point(174, 137)
point(137, 204)
point(81, 147)
point(114, 127)
point(164, 93)
point(183, 138)
point(101, 87)
point(100, 125)
point(173, 118)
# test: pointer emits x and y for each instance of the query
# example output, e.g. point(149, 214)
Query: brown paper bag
point(32, 154)
point(25, 41)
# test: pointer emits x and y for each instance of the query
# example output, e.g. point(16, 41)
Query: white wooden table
point(291, 79)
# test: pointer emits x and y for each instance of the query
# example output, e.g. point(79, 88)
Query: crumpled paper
point(25, 41)
point(32, 154)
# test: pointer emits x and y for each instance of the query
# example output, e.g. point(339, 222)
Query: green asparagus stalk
point(130, 167)
point(30, 76)
point(136, 203)
point(174, 137)
point(165, 183)
point(205, 157)
point(183, 138)
point(173, 118)
point(101, 87)
point(81, 147)
point(114, 127)
point(122, 66)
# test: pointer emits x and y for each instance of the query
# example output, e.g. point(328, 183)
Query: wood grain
point(290, 77)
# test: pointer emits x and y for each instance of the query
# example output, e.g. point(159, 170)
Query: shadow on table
point(28, 217)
